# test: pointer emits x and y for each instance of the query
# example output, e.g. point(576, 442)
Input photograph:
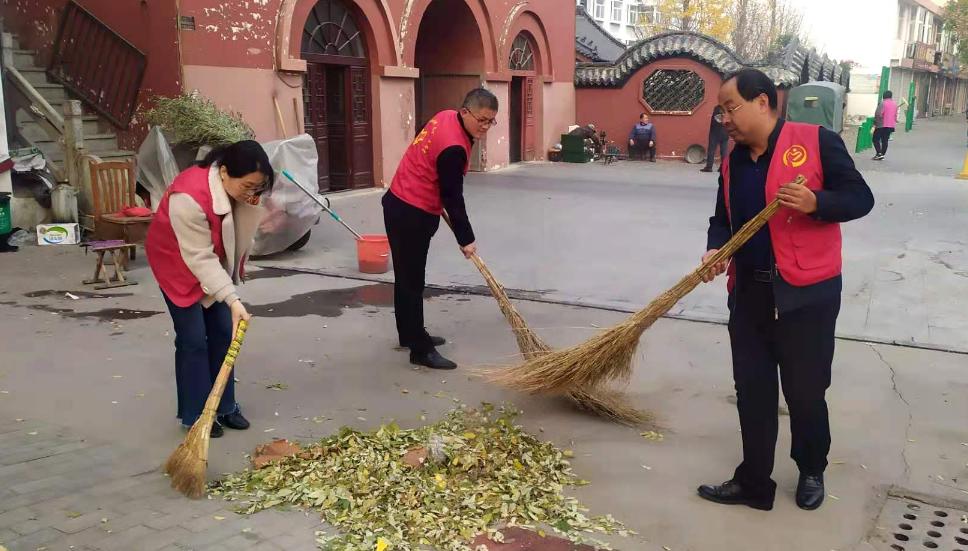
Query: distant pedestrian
point(885, 121)
point(718, 139)
point(642, 139)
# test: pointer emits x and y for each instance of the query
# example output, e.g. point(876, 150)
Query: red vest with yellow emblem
point(416, 181)
point(806, 250)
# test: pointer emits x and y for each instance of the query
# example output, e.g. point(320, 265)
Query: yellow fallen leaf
point(217, 517)
point(441, 482)
point(568, 453)
point(381, 544)
point(470, 435)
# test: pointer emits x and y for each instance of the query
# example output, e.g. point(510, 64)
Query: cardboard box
point(57, 234)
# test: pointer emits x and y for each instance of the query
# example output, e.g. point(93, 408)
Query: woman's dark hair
point(750, 83)
point(888, 94)
point(241, 158)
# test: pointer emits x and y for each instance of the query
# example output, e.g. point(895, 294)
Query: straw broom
point(608, 356)
point(188, 463)
point(600, 401)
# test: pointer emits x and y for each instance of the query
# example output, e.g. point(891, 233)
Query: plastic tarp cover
point(157, 168)
point(290, 212)
point(818, 103)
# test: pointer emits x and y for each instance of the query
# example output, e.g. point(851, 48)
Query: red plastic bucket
point(373, 253)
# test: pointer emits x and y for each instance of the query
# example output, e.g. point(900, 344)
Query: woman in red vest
point(197, 245)
point(784, 284)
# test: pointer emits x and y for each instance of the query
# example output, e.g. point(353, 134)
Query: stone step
point(92, 124)
point(93, 142)
point(23, 58)
point(52, 92)
point(57, 155)
point(35, 75)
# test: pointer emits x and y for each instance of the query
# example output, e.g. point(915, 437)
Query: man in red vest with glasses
point(784, 284)
point(430, 180)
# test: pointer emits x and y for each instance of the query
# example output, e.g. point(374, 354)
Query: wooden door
point(337, 121)
point(530, 126)
point(516, 116)
point(314, 102)
point(361, 139)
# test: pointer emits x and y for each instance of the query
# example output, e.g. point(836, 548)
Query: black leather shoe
point(706, 169)
point(436, 341)
point(234, 421)
point(431, 359)
point(217, 431)
point(731, 493)
point(810, 492)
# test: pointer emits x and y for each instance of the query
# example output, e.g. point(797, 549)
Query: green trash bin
point(6, 224)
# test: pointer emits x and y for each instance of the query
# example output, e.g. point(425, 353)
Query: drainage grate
point(916, 524)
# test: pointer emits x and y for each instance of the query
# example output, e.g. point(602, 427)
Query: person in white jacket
point(196, 246)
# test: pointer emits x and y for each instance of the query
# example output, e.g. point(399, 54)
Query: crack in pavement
point(907, 430)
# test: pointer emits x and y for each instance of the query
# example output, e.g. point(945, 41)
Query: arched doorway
point(336, 96)
point(450, 55)
point(522, 133)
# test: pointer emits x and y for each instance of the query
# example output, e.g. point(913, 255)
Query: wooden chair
point(113, 187)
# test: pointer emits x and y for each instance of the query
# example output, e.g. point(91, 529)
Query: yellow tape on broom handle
point(215, 396)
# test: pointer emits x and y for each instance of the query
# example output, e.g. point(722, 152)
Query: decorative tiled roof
point(594, 42)
point(790, 66)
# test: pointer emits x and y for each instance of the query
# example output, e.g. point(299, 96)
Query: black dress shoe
point(436, 341)
point(234, 421)
point(431, 359)
point(731, 493)
point(810, 492)
point(706, 169)
point(217, 431)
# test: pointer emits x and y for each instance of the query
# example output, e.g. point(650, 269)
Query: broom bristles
point(610, 404)
point(188, 464)
point(599, 401)
point(608, 355)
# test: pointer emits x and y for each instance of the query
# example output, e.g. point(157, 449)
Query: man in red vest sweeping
point(784, 284)
point(429, 180)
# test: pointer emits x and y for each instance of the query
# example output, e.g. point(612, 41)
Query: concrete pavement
point(618, 235)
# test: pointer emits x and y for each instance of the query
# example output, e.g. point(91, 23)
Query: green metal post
point(864, 136)
point(885, 82)
point(909, 122)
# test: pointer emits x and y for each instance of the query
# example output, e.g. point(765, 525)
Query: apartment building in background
point(925, 54)
point(623, 19)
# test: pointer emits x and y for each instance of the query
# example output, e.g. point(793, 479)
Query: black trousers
point(801, 342)
point(409, 231)
point(882, 137)
point(641, 150)
point(716, 142)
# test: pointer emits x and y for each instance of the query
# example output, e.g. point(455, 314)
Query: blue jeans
point(202, 337)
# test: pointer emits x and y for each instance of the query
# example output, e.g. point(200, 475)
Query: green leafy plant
point(195, 120)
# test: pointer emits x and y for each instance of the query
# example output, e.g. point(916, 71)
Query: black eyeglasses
point(482, 121)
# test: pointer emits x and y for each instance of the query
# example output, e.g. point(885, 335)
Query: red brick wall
point(616, 110)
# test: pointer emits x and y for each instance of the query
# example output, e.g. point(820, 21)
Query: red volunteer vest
point(416, 181)
point(807, 251)
point(161, 245)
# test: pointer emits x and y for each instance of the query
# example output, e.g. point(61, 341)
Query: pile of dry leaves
point(440, 485)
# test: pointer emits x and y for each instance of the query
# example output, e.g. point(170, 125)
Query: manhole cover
point(915, 522)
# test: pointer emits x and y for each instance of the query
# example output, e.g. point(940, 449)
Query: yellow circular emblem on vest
point(795, 156)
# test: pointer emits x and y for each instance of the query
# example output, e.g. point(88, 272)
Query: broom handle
point(215, 396)
point(495, 287)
